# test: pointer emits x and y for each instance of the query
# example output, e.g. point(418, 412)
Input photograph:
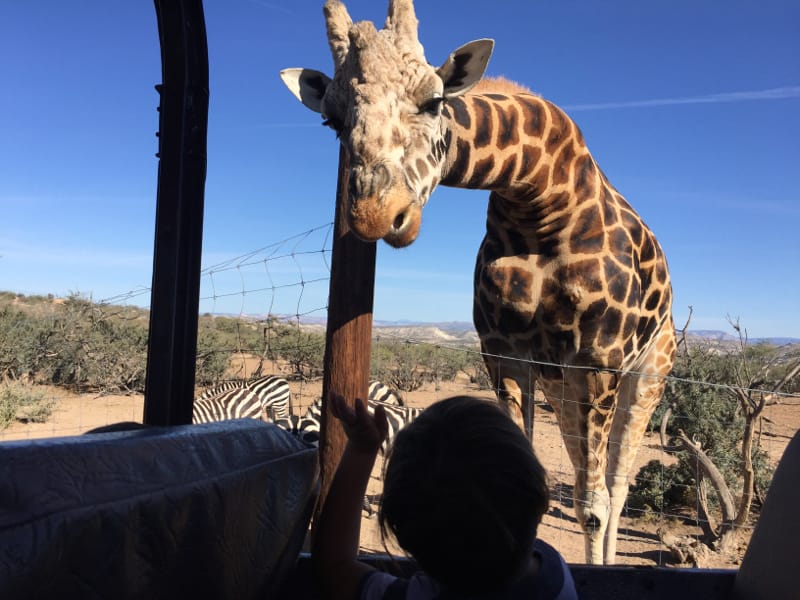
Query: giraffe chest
point(553, 308)
point(516, 293)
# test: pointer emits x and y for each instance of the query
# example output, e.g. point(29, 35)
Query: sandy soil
point(638, 541)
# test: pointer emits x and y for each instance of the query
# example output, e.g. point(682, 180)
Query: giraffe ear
point(465, 67)
point(307, 85)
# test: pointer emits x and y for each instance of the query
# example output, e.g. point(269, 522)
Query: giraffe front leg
point(586, 417)
point(639, 396)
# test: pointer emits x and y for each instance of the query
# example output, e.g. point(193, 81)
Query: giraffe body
point(571, 288)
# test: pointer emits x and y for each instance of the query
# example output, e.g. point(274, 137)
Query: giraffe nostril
point(399, 220)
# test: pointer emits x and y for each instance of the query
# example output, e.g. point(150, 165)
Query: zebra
point(305, 428)
point(221, 388)
point(237, 400)
point(383, 394)
point(308, 426)
point(274, 394)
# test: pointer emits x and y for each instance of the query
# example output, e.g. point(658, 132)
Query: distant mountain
point(723, 337)
point(711, 334)
point(458, 334)
point(463, 332)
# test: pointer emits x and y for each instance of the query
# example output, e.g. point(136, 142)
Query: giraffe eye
point(432, 107)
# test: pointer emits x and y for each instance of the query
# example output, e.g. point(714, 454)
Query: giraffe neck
point(524, 149)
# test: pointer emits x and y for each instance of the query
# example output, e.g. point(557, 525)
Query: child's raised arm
point(334, 547)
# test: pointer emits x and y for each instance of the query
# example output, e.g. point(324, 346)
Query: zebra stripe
point(274, 394)
point(383, 394)
point(238, 403)
point(221, 388)
point(237, 400)
point(304, 428)
point(397, 417)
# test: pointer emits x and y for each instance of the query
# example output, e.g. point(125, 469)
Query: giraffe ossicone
point(572, 289)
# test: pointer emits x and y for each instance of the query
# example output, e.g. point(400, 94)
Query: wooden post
point(349, 328)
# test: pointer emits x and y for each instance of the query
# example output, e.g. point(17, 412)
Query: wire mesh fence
point(71, 364)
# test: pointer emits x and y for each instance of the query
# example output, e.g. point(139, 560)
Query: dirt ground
point(638, 541)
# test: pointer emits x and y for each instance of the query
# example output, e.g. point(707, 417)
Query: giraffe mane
point(500, 85)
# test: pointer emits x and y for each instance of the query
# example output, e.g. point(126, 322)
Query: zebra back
point(221, 388)
point(274, 394)
point(238, 403)
point(383, 394)
point(397, 417)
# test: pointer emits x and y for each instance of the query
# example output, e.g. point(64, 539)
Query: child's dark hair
point(463, 494)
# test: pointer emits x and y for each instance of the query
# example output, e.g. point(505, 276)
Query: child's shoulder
point(553, 581)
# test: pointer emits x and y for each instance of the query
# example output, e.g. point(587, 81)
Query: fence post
point(349, 327)
point(183, 124)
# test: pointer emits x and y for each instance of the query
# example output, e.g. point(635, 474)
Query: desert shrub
point(704, 409)
point(303, 350)
point(22, 402)
point(89, 347)
point(401, 365)
point(212, 357)
point(446, 363)
point(658, 487)
point(478, 373)
point(234, 334)
point(408, 365)
point(381, 362)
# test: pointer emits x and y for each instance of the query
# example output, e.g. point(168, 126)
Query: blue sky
point(691, 108)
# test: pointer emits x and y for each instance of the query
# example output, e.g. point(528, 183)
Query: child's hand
point(365, 432)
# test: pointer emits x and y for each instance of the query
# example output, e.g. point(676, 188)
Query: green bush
point(406, 366)
point(704, 409)
point(659, 487)
point(303, 349)
point(22, 402)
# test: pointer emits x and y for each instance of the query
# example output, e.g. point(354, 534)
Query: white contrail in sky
point(272, 6)
point(781, 93)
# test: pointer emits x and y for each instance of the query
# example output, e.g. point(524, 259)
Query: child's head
point(464, 493)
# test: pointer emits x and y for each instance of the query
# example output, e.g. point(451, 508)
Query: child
point(463, 495)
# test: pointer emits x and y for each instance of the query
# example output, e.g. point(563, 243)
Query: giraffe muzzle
point(381, 206)
point(392, 217)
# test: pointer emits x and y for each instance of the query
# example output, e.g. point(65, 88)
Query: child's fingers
point(340, 409)
point(360, 409)
point(381, 422)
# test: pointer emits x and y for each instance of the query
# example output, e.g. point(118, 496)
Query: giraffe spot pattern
point(533, 118)
point(460, 113)
point(585, 178)
point(588, 234)
point(481, 172)
point(563, 164)
point(484, 123)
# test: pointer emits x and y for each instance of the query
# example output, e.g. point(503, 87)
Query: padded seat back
point(217, 510)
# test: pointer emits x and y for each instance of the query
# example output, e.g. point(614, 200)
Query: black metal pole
point(183, 125)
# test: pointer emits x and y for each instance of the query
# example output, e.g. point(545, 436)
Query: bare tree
point(754, 387)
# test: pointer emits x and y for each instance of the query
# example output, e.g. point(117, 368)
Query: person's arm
point(334, 547)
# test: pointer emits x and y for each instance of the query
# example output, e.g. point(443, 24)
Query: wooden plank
point(349, 327)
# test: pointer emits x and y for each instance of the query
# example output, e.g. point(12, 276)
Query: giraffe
point(571, 288)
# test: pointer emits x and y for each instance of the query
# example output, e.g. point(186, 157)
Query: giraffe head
point(385, 104)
